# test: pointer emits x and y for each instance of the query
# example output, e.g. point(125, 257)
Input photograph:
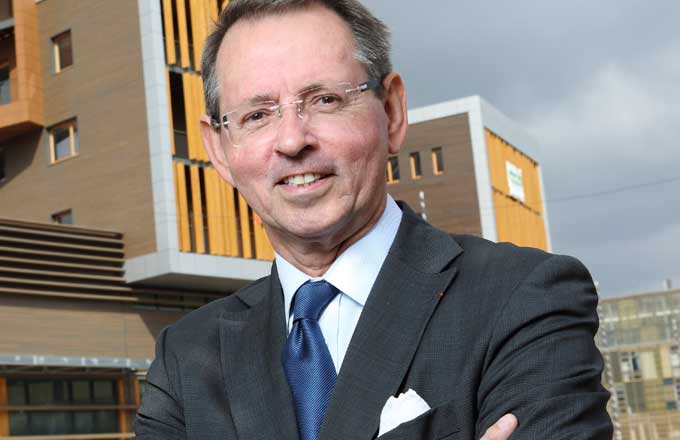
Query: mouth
point(303, 180)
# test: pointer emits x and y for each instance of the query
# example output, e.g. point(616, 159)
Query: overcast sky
point(597, 83)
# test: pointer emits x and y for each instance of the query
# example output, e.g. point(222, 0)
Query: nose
point(292, 135)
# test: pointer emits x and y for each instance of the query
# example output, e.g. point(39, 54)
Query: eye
point(256, 118)
point(253, 117)
point(326, 102)
point(328, 99)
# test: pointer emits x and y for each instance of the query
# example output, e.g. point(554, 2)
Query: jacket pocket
point(439, 423)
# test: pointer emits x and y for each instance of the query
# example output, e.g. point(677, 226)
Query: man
point(365, 301)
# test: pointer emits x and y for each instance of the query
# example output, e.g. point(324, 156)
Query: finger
point(502, 429)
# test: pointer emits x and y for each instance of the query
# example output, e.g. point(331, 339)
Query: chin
point(313, 227)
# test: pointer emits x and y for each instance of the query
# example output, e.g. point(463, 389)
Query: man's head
point(311, 163)
point(371, 36)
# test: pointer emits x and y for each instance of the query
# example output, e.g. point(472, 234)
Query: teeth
point(302, 179)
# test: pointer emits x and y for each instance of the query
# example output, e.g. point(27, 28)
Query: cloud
point(627, 112)
point(596, 83)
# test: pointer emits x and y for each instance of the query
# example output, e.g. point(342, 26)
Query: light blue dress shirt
point(353, 272)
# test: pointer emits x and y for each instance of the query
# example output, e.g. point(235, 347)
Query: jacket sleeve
point(542, 363)
point(161, 416)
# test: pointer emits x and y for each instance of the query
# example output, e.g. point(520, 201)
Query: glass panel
point(16, 392)
point(61, 392)
point(83, 422)
point(438, 160)
point(40, 392)
point(62, 142)
point(50, 422)
point(63, 218)
point(80, 391)
point(106, 421)
point(63, 42)
point(415, 165)
point(18, 423)
point(5, 96)
point(394, 164)
point(104, 391)
point(76, 145)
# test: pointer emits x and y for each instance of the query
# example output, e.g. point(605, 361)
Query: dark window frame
point(58, 217)
point(58, 61)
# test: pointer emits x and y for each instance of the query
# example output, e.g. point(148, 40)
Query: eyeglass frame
point(371, 84)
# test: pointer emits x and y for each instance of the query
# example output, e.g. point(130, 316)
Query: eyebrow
point(259, 99)
point(262, 98)
point(308, 87)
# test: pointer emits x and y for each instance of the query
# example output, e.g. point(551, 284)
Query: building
point(639, 338)
point(113, 223)
point(90, 115)
point(470, 169)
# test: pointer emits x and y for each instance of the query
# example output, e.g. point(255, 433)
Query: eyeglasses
point(256, 121)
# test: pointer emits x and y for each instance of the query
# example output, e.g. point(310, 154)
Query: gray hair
point(371, 37)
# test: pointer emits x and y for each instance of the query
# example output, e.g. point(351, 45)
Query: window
point(393, 169)
point(5, 95)
point(62, 51)
point(416, 170)
point(63, 217)
point(78, 406)
point(437, 160)
point(63, 141)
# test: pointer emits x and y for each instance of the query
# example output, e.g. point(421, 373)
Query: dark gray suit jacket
point(477, 329)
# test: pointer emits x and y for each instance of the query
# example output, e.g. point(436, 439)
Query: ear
point(212, 142)
point(395, 109)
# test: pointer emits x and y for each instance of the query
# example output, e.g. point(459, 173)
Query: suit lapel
point(414, 276)
point(251, 342)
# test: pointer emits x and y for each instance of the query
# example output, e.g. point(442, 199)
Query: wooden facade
point(450, 196)
point(437, 177)
point(62, 294)
point(213, 218)
point(518, 221)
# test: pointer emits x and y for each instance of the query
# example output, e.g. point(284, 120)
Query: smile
point(302, 179)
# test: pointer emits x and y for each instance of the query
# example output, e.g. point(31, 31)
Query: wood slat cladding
point(450, 197)
point(517, 221)
point(186, 25)
point(213, 218)
point(76, 263)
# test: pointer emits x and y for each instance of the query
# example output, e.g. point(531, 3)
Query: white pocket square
point(397, 410)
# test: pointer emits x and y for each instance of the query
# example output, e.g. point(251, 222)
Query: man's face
point(278, 57)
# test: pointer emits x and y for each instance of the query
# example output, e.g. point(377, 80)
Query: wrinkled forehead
point(282, 54)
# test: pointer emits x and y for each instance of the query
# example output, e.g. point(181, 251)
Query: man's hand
point(502, 429)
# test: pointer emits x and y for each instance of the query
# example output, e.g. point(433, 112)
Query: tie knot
point(311, 298)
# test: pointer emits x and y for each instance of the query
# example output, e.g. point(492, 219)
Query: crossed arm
point(542, 364)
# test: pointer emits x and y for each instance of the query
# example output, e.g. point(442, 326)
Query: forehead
point(281, 53)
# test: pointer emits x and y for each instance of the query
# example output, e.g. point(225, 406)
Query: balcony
point(21, 106)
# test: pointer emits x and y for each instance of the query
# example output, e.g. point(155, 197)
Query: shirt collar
point(355, 270)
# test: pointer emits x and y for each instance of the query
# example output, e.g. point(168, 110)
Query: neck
point(315, 256)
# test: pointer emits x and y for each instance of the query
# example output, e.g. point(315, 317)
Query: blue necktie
point(306, 360)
